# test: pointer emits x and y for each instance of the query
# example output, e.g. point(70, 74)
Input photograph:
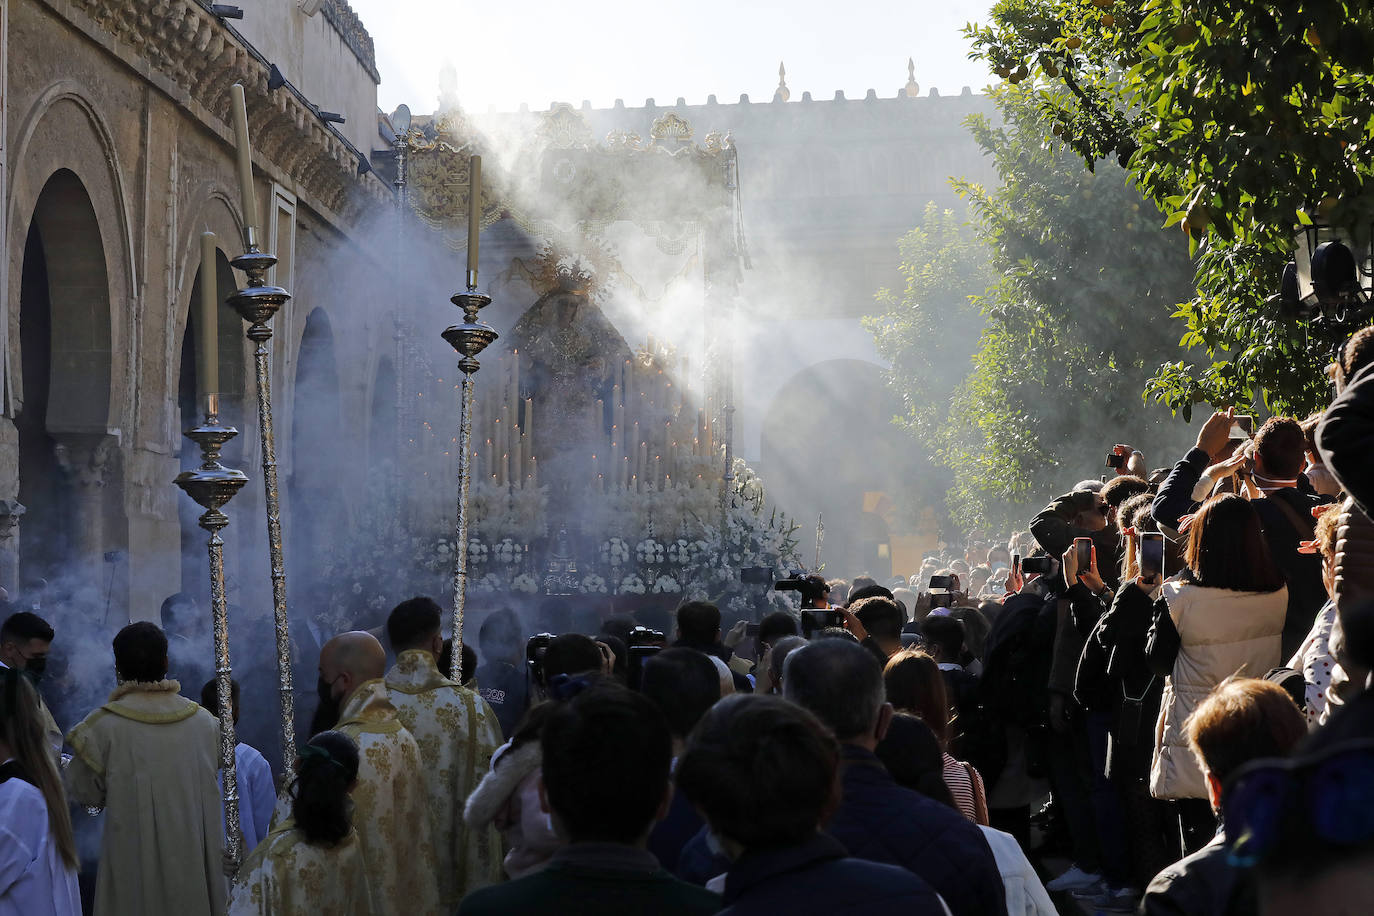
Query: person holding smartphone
point(1225, 615)
point(1121, 696)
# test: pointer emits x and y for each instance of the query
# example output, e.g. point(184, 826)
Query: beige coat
point(1221, 633)
point(149, 757)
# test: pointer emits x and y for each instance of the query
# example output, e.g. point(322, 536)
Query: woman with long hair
point(38, 860)
point(311, 862)
point(916, 686)
point(1223, 615)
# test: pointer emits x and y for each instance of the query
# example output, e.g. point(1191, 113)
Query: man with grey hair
point(842, 684)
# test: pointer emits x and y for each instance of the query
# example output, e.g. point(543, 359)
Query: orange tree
point(1241, 120)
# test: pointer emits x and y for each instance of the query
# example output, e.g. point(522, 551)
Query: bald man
point(389, 811)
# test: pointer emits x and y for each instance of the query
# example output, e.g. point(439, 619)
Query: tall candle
point(474, 216)
point(209, 317)
point(529, 422)
point(491, 470)
point(517, 461)
point(245, 159)
point(643, 463)
point(534, 472)
point(658, 471)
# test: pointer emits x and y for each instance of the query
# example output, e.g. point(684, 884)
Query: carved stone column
point(10, 512)
point(86, 459)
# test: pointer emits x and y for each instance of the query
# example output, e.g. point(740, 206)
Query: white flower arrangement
point(443, 549)
point(631, 585)
point(649, 552)
point(508, 552)
point(477, 552)
point(681, 552)
point(525, 583)
point(738, 605)
point(615, 552)
point(666, 585)
point(594, 584)
point(489, 583)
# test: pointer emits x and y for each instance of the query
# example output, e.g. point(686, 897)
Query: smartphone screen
point(1115, 461)
point(1016, 563)
point(1083, 548)
point(1151, 554)
point(1242, 427)
point(751, 630)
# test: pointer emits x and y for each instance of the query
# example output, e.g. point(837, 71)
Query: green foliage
point(930, 331)
point(1241, 119)
point(1074, 285)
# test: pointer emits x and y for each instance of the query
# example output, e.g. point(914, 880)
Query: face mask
point(327, 712)
point(34, 667)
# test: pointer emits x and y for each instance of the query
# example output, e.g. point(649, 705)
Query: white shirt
point(34, 881)
point(257, 794)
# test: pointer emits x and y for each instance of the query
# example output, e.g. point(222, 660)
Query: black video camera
point(643, 644)
point(811, 588)
point(534, 656)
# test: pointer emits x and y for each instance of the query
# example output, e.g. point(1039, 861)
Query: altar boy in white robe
point(149, 758)
point(257, 791)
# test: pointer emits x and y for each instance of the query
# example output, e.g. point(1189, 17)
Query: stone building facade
point(117, 155)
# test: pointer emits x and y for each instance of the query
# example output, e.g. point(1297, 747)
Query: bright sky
point(539, 51)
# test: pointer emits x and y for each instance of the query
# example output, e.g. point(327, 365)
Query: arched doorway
point(319, 447)
point(382, 427)
point(67, 454)
point(829, 447)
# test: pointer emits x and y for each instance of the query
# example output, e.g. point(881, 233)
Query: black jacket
point(1054, 530)
point(881, 821)
point(1114, 677)
point(818, 877)
point(1175, 497)
point(1203, 884)
point(1345, 439)
point(1303, 572)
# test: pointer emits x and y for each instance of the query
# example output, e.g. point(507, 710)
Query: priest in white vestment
point(391, 806)
point(457, 733)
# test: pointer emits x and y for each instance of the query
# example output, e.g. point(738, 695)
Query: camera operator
point(815, 592)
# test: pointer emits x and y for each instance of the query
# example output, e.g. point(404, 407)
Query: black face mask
point(327, 712)
point(34, 667)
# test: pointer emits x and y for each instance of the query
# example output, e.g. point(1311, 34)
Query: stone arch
point(827, 444)
point(69, 461)
point(320, 448)
point(383, 420)
point(62, 131)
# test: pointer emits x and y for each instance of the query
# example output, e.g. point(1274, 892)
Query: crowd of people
point(1164, 678)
